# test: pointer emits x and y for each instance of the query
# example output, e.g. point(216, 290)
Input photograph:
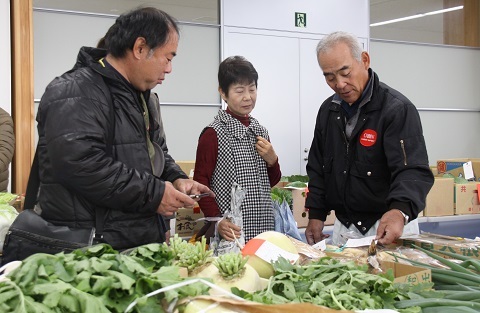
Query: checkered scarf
point(238, 161)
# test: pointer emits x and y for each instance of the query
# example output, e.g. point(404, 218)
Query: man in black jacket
point(137, 181)
point(368, 160)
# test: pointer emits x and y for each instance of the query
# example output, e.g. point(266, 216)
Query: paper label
point(359, 242)
point(267, 251)
point(322, 245)
point(468, 170)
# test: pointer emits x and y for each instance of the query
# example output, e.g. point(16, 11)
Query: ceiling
point(205, 11)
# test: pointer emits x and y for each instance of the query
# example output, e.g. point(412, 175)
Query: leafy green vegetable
point(6, 197)
point(297, 184)
point(94, 279)
point(301, 178)
point(280, 194)
point(331, 283)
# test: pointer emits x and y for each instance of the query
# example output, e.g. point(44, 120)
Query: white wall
point(189, 94)
point(441, 81)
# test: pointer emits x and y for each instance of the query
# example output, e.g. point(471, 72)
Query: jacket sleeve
point(406, 153)
point(315, 201)
point(73, 119)
point(7, 146)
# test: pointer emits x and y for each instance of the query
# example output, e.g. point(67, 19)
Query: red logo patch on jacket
point(368, 138)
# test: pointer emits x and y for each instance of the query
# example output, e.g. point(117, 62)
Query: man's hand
point(390, 227)
point(172, 200)
point(314, 232)
point(265, 149)
point(191, 187)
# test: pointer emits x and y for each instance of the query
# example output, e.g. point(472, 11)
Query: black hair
point(236, 70)
point(150, 23)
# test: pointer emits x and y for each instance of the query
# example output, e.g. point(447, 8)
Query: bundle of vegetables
point(193, 256)
point(93, 279)
point(280, 195)
point(457, 287)
point(334, 284)
point(7, 215)
point(231, 270)
point(294, 178)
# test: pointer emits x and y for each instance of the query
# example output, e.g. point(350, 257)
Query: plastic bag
point(221, 246)
point(284, 221)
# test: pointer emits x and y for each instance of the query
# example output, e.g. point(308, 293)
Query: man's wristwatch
point(405, 216)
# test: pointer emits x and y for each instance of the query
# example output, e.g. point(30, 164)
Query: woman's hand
point(266, 151)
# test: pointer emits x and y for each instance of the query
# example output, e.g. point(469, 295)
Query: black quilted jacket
point(76, 174)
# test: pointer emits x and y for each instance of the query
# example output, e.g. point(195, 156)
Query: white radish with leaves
point(231, 270)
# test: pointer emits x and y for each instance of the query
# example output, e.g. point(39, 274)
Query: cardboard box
point(455, 167)
point(299, 212)
point(188, 167)
point(443, 243)
point(186, 221)
point(405, 273)
point(466, 198)
point(440, 199)
point(298, 206)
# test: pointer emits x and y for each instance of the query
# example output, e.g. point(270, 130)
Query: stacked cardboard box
point(440, 199)
point(456, 167)
point(467, 198)
point(300, 213)
point(187, 167)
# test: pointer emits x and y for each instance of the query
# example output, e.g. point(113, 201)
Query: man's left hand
point(390, 227)
point(191, 187)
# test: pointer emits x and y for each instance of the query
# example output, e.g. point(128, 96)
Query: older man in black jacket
point(368, 160)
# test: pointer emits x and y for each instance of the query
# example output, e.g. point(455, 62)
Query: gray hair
point(334, 38)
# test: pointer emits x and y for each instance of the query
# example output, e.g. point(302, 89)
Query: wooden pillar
point(462, 27)
point(22, 91)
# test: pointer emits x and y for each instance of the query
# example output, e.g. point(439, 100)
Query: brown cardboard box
point(298, 204)
point(440, 198)
point(466, 198)
point(405, 273)
point(443, 243)
point(186, 224)
point(187, 167)
point(299, 212)
point(455, 167)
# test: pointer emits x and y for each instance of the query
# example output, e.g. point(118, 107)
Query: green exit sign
point(300, 19)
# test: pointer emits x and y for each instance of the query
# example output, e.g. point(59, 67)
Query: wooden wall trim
point(22, 91)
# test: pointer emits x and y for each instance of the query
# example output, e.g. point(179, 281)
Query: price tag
point(359, 242)
point(267, 251)
point(322, 245)
point(468, 170)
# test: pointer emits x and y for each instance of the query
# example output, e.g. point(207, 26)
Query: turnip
point(231, 270)
point(193, 256)
point(276, 244)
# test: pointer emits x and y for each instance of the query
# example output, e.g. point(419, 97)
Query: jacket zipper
point(402, 144)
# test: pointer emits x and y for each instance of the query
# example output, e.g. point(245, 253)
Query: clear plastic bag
point(221, 246)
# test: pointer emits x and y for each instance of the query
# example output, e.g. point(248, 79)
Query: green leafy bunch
point(328, 282)
point(93, 279)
